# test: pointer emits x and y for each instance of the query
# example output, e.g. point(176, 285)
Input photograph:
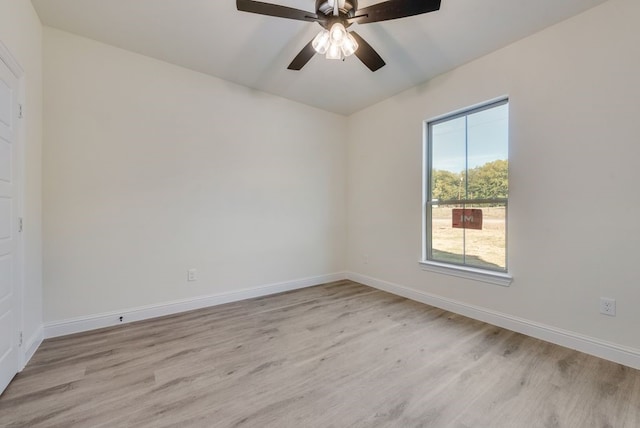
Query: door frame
point(18, 176)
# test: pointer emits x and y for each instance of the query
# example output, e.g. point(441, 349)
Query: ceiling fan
point(335, 16)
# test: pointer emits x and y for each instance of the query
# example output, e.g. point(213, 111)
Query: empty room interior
point(330, 213)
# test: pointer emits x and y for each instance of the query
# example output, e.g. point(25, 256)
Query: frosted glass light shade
point(321, 42)
point(338, 34)
point(349, 46)
point(334, 52)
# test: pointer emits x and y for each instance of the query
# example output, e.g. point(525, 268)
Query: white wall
point(151, 169)
point(21, 33)
point(574, 151)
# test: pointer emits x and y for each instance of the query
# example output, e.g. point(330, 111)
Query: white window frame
point(462, 271)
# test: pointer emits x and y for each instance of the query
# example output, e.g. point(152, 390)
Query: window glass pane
point(483, 248)
point(487, 153)
point(447, 243)
point(486, 248)
point(448, 159)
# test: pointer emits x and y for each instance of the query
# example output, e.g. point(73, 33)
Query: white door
point(9, 228)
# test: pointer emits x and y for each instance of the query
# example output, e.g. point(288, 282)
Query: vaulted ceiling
point(212, 37)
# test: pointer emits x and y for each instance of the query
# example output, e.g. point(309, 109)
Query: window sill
point(498, 278)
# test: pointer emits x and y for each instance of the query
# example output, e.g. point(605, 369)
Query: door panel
point(6, 344)
point(9, 304)
point(5, 108)
point(5, 275)
point(5, 160)
point(5, 223)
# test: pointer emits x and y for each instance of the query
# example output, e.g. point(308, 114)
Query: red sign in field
point(467, 218)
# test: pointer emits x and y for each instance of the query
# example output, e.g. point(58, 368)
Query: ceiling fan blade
point(393, 9)
point(276, 10)
point(303, 57)
point(367, 54)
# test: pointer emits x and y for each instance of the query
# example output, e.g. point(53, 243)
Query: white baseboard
point(92, 322)
point(32, 345)
point(589, 345)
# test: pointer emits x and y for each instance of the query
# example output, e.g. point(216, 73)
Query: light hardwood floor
point(336, 355)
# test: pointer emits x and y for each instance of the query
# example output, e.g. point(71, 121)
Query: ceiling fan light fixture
point(349, 46)
point(335, 43)
point(321, 42)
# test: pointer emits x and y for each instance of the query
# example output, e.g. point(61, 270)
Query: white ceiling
point(212, 37)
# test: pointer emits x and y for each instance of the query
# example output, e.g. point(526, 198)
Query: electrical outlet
point(608, 306)
point(192, 275)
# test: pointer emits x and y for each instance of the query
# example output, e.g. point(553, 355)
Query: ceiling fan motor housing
point(348, 9)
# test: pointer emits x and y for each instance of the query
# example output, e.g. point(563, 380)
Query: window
point(466, 190)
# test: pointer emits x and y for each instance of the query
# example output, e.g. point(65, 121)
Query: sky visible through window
point(487, 140)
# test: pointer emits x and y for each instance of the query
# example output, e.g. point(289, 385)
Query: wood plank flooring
point(336, 355)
